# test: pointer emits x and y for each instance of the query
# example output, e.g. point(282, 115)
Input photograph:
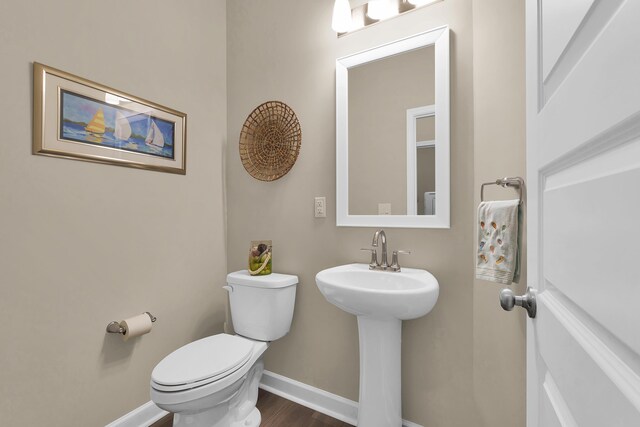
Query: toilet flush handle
point(228, 288)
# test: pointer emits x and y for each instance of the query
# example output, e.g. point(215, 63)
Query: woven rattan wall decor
point(270, 141)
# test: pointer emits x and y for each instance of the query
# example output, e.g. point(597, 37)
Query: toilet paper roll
point(136, 326)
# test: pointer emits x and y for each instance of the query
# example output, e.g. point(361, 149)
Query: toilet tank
point(261, 306)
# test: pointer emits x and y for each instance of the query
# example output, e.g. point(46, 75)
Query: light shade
point(421, 2)
point(341, 21)
point(381, 9)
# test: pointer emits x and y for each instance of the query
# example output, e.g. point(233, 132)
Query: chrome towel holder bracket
point(515, 182)
point(115, 328)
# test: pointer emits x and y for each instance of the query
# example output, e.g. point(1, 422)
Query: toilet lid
point(206, 358)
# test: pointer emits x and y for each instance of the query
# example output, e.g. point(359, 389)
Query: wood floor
point(279, 412)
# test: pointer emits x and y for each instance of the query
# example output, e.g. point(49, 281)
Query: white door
point(583, 181)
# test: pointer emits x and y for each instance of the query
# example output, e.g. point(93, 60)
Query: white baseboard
point(319, 400)
point(142, 416)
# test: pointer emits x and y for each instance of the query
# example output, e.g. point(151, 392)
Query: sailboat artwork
point(77, 119)
point(122, 131)
point(154, 138)
point(96, 125)
point(91, 121)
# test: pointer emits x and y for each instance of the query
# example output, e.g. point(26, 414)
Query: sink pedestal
point(380, 372)
point(381, 300)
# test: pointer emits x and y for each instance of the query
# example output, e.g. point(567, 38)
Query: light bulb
point(341, 21)
point(419, 3)
point(381, 9)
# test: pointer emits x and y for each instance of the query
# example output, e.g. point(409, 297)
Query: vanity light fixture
point(352, 15)
point(341, 21)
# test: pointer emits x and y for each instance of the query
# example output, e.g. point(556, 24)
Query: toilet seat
point(202, 362)
point(220, 388)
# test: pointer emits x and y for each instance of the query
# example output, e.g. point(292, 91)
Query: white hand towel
point(498, 254)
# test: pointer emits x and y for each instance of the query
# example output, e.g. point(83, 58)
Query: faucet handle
point(395, 266)
point(374, 257)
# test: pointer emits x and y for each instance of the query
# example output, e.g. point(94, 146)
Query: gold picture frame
point(79, 119)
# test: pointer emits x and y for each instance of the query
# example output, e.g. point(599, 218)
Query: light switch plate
point(320, 207)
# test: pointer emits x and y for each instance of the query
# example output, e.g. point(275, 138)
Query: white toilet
point(213, 382)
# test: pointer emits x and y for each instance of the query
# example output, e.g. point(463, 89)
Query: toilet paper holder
point(115, 328)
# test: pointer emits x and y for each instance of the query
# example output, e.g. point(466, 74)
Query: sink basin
point(403, 295)
point(381, 300)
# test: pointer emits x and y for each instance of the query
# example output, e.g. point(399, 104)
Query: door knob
point(527, 301)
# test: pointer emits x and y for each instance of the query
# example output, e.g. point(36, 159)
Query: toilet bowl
point(213, 382)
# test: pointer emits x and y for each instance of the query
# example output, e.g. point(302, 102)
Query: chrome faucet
point(383, 265)
point(379, 235)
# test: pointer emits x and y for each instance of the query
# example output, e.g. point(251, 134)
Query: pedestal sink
point(380, 300)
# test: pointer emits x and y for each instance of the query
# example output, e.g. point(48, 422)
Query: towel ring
point(515, 182)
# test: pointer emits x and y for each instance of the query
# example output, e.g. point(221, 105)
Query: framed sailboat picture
point(79, 119)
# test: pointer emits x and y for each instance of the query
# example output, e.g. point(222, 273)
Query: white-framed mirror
point(392, 124)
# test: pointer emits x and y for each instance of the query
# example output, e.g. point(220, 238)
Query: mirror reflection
point(425, 165)
point(391, 134)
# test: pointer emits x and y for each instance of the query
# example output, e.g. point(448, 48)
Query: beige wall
point(499, 150)
point(380, 93)
point(82, 244)
point(426, 128)
point(286, 50)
